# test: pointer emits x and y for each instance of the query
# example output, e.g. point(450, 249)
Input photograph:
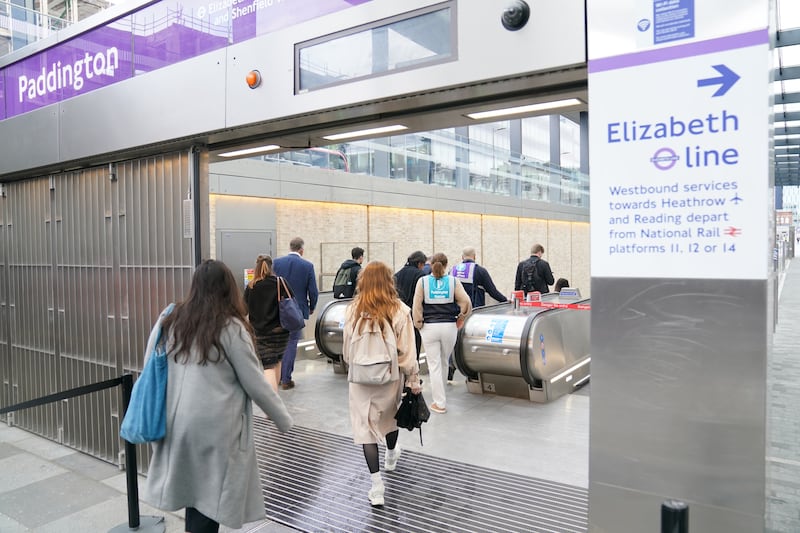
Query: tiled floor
point(783, 406)
point(49, 488)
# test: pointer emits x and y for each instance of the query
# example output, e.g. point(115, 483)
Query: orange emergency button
point(253, 79)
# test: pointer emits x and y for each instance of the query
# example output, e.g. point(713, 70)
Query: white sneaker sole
point(375, 498)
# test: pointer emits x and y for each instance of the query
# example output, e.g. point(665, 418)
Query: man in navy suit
point(299, 274)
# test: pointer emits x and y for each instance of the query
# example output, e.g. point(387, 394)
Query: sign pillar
point(681, 190)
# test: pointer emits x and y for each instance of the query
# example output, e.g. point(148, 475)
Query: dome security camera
point(515, 15)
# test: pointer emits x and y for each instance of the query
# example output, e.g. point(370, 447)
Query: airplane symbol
point(733, 232)
point(736, 199)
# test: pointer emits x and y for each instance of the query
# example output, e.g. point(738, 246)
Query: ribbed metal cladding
point(316, 481)
point(31, 306)
point(5, 357)
point(89, 258)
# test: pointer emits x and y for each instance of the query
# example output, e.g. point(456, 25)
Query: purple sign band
point(720, 44)
point(153, 37)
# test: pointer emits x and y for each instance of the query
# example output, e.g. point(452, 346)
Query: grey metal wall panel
point(5, 357)
point(85, 278)
point(92, 257)
point(17, 149)
point(31, 307)
point(155, 260)
point(170, 103)
point(641, 513)
point(678, 398)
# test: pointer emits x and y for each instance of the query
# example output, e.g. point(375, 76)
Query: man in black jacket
point(406, 278)
point(344, 284)
point(534, 274)
point(405, 281)
point(475, 279)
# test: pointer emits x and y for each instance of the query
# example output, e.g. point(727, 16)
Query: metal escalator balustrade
point(317, 481)
point(537, 352)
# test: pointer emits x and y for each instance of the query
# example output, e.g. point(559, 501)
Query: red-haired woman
point(376, 307)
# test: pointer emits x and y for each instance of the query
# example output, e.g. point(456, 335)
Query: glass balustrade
point(20, 26)
point(442, 158)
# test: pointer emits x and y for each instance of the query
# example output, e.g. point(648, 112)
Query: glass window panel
point(402, 44)
point(443, 152)
point(570, 144)
point(536, 138)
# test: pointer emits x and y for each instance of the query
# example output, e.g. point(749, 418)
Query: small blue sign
point(496, 331)
point(541, 347)
point(672, 20)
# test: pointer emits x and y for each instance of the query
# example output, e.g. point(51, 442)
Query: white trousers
point(439, 338)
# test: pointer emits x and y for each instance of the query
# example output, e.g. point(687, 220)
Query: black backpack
point(530, 275)
point(343, 286)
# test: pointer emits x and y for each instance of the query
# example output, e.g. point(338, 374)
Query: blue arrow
point(725, 81)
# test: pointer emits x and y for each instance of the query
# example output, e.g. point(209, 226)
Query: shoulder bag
point(145, 420)
point(288, 310)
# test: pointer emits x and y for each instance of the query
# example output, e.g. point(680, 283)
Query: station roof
point(787, 94)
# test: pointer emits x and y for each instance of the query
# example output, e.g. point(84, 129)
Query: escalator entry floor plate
point(318, 481)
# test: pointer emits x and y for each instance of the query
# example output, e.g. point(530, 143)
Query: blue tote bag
point(146, 417)
point(288, 310)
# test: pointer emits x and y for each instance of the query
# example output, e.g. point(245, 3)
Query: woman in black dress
point(261, 296)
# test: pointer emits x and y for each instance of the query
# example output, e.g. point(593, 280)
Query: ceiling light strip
point(365, 133)
point(248, 151)
point(531, 108)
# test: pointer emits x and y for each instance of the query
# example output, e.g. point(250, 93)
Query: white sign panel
point(618, 27)
point(679, 156)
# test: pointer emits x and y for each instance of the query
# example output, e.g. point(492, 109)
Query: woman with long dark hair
point(440, 303)
point(261, 297)
point(206, 463)
point(376, 307)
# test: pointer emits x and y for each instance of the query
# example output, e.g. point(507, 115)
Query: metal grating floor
point(317, 481)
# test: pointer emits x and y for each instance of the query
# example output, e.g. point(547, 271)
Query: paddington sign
point(150, 38)
point(72, 75)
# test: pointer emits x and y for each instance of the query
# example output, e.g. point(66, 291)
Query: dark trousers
point(196, 522)
point(287, 366)
point(418, 341)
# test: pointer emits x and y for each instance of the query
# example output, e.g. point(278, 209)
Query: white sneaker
point(390, 460)
point(375, 495)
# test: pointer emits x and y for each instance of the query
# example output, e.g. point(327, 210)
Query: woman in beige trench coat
point(372, 407)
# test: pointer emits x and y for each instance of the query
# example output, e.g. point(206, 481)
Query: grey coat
point(207, 459)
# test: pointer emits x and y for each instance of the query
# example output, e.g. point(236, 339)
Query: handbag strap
point(282, 282)
point(167, 310)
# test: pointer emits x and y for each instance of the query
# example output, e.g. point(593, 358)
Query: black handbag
point(413, 412)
